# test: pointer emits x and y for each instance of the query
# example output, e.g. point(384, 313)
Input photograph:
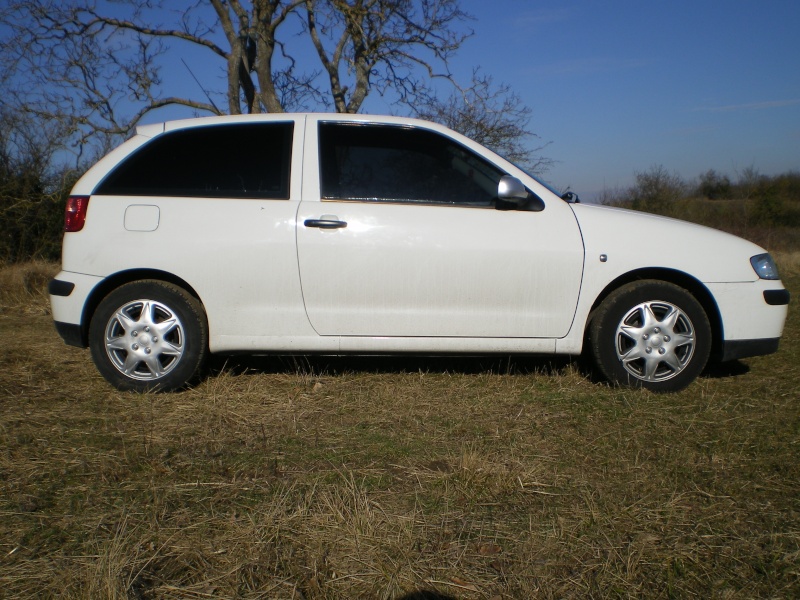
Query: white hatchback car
point(334, 234)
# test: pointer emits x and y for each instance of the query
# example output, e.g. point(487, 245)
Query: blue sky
point(620, 86)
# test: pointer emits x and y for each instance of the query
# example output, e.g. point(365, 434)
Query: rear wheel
point(149, 335)
point(650, 334)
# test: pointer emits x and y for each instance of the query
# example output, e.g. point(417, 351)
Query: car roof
point(151, 130)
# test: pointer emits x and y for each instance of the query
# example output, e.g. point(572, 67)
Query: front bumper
point(753, 315)
point(71, 334)
point(736, 349)
point(777, 297)
point(754, 310)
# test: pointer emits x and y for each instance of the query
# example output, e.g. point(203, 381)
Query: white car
point(334, 234)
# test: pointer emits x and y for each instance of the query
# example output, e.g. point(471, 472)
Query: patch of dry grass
point(24, 286)
point(377, 478)
point(788, 263)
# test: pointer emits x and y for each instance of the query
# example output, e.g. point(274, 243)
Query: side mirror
point(512, 195)
point(510, 189)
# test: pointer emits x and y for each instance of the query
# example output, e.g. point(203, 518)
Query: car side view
point(358, 234)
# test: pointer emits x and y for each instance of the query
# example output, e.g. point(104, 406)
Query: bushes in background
point(32, 216)
point(32, 192)
point(765, 209)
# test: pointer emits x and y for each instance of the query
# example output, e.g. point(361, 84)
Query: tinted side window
point(243, 160)
point(399, 164)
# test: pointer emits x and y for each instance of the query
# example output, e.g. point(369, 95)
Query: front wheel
point(149, 336)
point(650, 334)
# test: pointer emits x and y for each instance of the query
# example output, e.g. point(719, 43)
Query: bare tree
point(383, 44)
point(99, 66)
point(96, 67)
point(491, 115)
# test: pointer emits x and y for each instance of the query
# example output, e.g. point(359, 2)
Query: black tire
point(162, 348)
point(650, 334)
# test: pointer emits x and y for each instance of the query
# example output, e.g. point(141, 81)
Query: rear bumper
point(69, 332)
point(68, 295)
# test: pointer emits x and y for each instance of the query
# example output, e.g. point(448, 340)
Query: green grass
point(376, 478)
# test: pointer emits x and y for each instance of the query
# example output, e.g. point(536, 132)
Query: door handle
point(325, 222)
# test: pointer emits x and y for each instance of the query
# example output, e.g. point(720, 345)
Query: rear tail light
point(75, 213)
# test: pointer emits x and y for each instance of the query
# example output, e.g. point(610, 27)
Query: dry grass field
point(481, 478)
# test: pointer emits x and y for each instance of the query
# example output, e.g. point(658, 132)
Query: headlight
point(764, 266)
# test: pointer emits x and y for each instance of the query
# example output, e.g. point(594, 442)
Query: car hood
point(633, 240)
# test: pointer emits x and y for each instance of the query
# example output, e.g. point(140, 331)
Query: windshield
point(540, 181)
point(548, 186)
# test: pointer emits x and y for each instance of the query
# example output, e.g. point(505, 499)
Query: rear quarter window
point(243, 160)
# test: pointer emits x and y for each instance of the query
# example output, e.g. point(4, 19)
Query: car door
point(400, 236)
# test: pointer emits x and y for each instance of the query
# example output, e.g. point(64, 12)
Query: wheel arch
point(112, 282)
point(695, 287)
